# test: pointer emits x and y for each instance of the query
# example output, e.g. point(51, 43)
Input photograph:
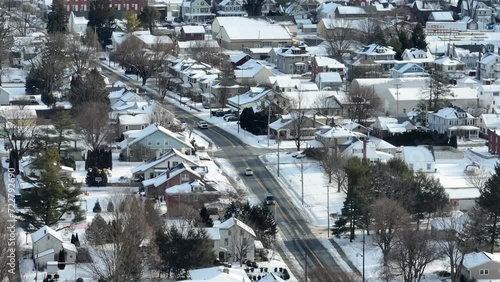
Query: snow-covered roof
point(69, 247)
point(139, 119)
point(488, 58)
point(474, 259)
point(190, 29)
point(451, 113)
point(237, 28)
point(463, 193)
point(376, 49)
point(491, 121)
point(328, 77)
point(152, 129)
point(351, 10)
point(213, 233)
point(271, 277)
point(336, 132)
point(197, 43)
point(442, 16)
point(44, 253)
point(162, 178)
point(232, 221)
point(417, 154)
point(328, 62)
point(216, 274)
point(169, 154)
point(40, 233)
point(447, 61)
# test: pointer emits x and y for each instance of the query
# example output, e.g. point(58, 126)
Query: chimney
point(168, 173)
point(168, 164)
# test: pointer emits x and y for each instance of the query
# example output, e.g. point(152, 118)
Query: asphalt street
point(295, 232)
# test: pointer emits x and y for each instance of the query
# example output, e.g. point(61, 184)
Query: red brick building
point(119, 5)
point(494, 141)
point(176, 176)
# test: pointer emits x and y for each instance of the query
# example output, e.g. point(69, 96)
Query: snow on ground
point(13, 75)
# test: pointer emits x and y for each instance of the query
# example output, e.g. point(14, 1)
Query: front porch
point(464, 132)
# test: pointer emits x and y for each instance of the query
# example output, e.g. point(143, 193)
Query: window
point(174, 164)
point(126, 127)
point(184, 178)
point(229, 232)
point(226, 242)
point(48, 237)
point(428, 166)
point(484, 272)
point(157, 142)
point(149, 142)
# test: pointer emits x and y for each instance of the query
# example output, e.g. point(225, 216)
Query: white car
point(203, 124)
point(248, 171)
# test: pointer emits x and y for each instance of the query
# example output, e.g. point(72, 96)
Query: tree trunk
point(494, 234)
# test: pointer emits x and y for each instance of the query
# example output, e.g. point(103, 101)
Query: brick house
point(192, 32)
point(190, 195)
point(493, 141)
point(120, 5)
point(178, 175)
point(321, 64)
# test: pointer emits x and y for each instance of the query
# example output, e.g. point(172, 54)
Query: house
point(178, 175)
point(363, 68)
point(454, 121)
point(321, 64)
point(493, 136)
point(382, 55)
point(331, 80)
point(133, 122)
point(419, 158)
point(158, 165)
point(77, 22)
point(290, 59)
point(258, 33)
point(365, 149)
point(488, 122)
point(489, 67)
point(332, 137)
point(327, 10)
point(231, 8)
point(197, 11)
point(218, 273)
point(450, 67)
point(192, 32)
point(387, 126)
point(489, 97)
point(236, 241)
point(478, 12)
point(256, 98)
point(192, 195)
point(481, 265)
point(408, 70)
point(240, 59)
point(47, 243)
point(357, 12)
point(146, 143)
point(422, 57)
point(252, 73)
point(286, 127)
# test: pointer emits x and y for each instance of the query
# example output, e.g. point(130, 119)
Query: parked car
point(17, 80)
point(226, 116)
point(269, 200)
point(220, 113)
point(203, 124)
point(233, 118)
point(248, 171)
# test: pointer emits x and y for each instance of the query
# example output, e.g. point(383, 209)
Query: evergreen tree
point(430, 197)
point(91, 88)
point(73, 239)
point(102, 20)
point(57, 20)
point(149, 16)
point(97, 207)
point(231, 211)
point(453, 142)
point(51, 199)
point(110, 207)
point(437, 95)
point(57, 136)
point(378, 36)
point(204, 215)
point(61, 260)
point(418, 37)
point(488, 201)
point(77, 240)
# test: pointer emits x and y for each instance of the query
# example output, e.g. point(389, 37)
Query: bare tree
point(161, 116)
point(388, 219)
point(339, 36)
point(23, 20)
point(203, 51)
point(81, 56)
point(145, 60)
point(363, 103)
point(241, 244)
point(478, 180)
point(437, 95)
point(93, 124)
point(164, 84)
point(453, 242)
point(5, 39)
point(21, 130)
point(333, 164)
point(116, 247)
point(412, 252)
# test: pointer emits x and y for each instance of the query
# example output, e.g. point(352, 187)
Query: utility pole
point(328, 210)
point(363, 255)
point(268, 123)
point(278, 153)
point(302, 177)
point(239, 113)
point(397, 97)
point(305, 272)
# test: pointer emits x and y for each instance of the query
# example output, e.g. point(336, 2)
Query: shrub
point(110, 207)
point(97, 207)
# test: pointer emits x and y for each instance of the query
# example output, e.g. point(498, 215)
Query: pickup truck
point(203, 124)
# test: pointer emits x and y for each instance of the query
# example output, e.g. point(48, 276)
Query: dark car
point(220, 113)
point(269, 200)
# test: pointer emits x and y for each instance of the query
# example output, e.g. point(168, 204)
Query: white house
point(47, 243)
point(360, 149)
point(383, 55)
point(162, 163)
point(328, 79)
point(231, 8)
point(489, 97)
point(419, 158)
point(4, 96)
point(489, 66)
point(77, 22)
point(236, 241)
point(452, 68)
point(196, 11)
point(453, 121)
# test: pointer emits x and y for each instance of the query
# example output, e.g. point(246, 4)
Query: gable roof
point(475, 259)
point(190, 29)
point(40, 233)
point(167, 155)
point(441, 16)
point(451, 113)
point(233, 221)
point(164, 177)
point(417, 154)
point(152, 129)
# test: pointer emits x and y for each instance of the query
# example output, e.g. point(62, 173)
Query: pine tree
point(110, 207)
point(57, 20)
point(488, 201)
point(418, 37)
point(102, 20)
point(378, 36)
point(77, 240)
point(97, 207)
point(73, 239)
point(61, 260)
point(51, 199)
point(149, 17)
point(231, 211)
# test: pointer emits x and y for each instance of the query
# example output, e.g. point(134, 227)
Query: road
point(297, 236)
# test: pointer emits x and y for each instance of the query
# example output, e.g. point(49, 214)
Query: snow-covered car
point(17, 80)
